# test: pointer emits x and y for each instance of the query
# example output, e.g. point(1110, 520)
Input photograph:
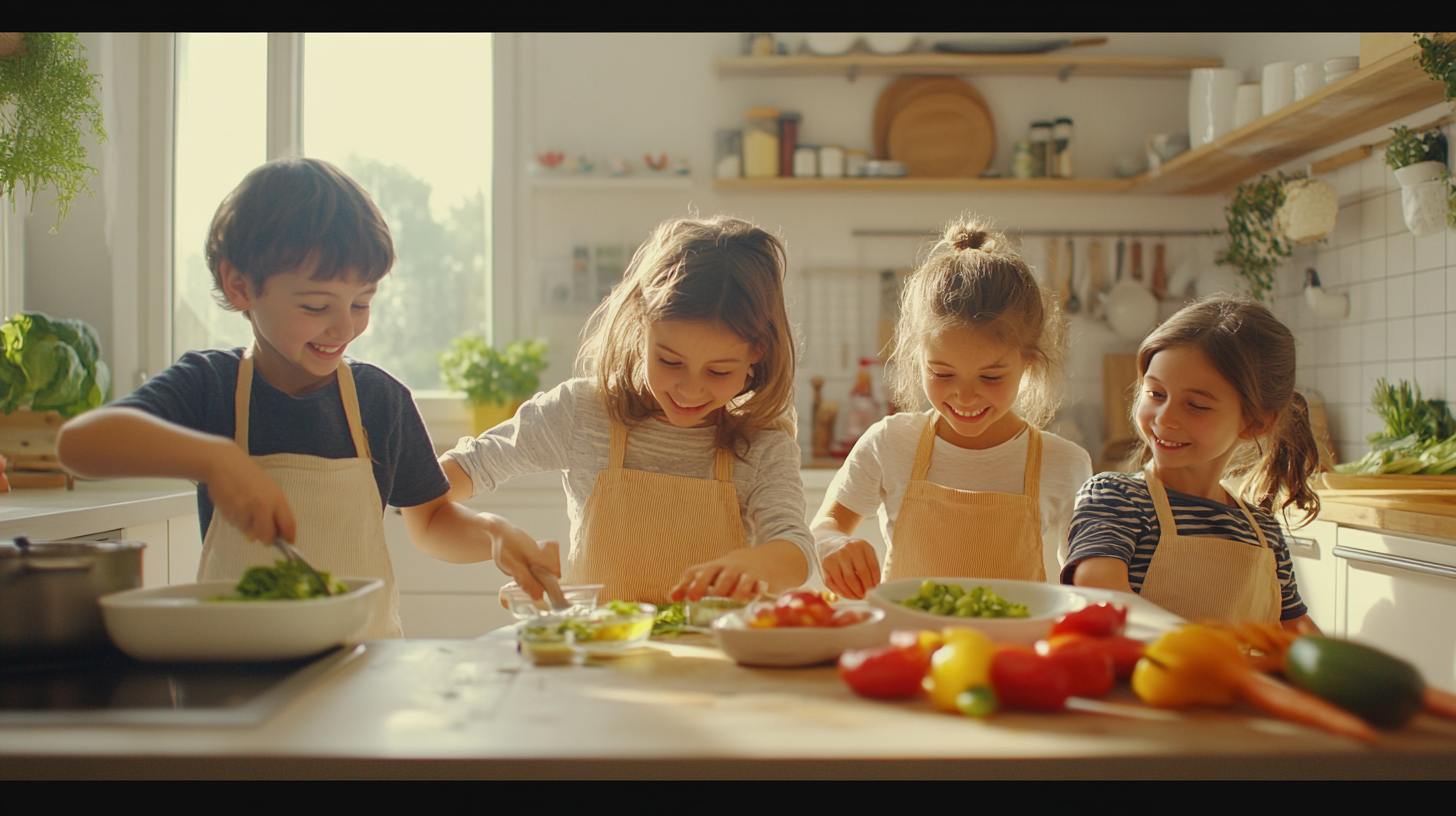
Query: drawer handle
point(1307, 544)
point(1438, 570)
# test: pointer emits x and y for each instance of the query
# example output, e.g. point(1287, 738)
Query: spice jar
point(1041, 138)
point(1061, 165)
point(728, 154)
point(831, 161)
point(806, 161)
point(761, 143)
point(854, 163)
point(1023, 164)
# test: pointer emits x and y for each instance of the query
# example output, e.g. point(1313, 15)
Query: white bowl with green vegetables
point(1004, 611)
point(205, 622)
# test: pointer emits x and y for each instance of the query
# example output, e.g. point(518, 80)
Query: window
point(406, 115)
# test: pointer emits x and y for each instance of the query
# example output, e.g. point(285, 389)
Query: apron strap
point(243, 397)
point(723, 465)
point(351, 411)
point(1032, 485)
point(1160, 503)
point(921, 468)
point(1248, 514)
point(619, 446)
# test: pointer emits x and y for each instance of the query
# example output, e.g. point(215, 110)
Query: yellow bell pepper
point(1195, 665)
point(963, 661)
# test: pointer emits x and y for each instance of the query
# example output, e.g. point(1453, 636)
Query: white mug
point(1278, 86)
point(1211, 103)
point(1308, 78)
point(1248, 101)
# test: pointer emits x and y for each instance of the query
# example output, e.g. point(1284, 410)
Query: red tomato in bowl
point(849, 617)
point(803, 609)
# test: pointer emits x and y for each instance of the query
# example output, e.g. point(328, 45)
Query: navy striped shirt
point(1115, 518)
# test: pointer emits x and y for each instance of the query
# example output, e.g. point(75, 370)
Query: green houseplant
point(1256, 243)
point(495, 381)
point(1419, 162)
point(1437, 58)
point(47, 98)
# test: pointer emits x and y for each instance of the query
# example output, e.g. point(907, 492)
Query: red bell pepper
point(896, 670)
point(1086, 661)
point(1098, 620)
point(1024, 679)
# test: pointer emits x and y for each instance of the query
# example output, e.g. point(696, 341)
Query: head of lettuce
point(51, 364)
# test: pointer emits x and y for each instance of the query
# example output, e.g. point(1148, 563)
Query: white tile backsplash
point(1402, 321)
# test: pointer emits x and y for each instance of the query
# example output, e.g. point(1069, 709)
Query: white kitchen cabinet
point(1311, 548)
point(1398, 593)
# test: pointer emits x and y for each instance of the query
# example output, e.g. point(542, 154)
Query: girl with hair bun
point(1216, 400)
point(970, 486)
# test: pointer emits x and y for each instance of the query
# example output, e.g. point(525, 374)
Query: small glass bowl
point(583, 600)
point(701, 613)
point(547, 643)
point(616, 633)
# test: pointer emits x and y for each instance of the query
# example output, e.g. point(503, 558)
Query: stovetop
point(113, 689)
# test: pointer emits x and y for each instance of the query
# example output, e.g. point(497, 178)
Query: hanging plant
point(1437, 58)
point(46, 94)
point(1256, 240)
point(1408, 147)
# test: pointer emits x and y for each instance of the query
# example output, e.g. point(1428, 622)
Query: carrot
point(1290, 703)
point(1441, 702)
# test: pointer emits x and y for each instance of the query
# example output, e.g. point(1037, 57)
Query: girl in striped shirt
point(1216, 400)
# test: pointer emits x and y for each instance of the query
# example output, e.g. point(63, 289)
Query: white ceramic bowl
point(180, 623)
point(1132, 311)
point(786, 646)
point(829, 44)
point(1044, 603)
point(893, 42)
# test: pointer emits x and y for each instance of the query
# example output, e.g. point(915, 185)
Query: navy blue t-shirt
point(198, 392)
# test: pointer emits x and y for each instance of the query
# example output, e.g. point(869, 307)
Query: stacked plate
point(940, 127)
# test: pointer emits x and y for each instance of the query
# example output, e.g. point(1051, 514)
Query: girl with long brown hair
point(970, 487)
point(1216, 401)
point(676, 441)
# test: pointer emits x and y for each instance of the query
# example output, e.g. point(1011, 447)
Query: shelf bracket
point(852, 72)
point(1066, 71)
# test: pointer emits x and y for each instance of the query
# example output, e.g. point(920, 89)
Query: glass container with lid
point(761, 143)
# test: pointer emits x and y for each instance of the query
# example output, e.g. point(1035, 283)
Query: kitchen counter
point(94, 506)
point(680, 709)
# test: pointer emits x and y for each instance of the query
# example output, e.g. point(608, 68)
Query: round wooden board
point(942, 136)
point(907, 89)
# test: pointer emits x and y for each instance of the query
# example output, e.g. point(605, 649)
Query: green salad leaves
point(51, 364)
point(1419, 434)
point(285, 581)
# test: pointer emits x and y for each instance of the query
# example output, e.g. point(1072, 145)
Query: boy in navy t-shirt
point(288, 438)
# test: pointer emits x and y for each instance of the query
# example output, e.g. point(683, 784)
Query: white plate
point(179, 623)
point(795, 645)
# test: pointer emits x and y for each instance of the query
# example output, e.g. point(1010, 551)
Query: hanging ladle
point(1074, 303)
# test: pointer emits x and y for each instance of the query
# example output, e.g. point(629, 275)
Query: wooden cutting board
point(942, 135)
point(1342, 481)
point(908, 89)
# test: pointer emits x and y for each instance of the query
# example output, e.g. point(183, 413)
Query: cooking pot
point(48, 592)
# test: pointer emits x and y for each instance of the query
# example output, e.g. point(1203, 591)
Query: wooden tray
point(942, 136)
point(908, 89)
point(1342, 481)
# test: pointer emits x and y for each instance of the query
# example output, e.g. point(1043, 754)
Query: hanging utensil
point(1121, 255)
point(1074, 303)
point(1096, 275)
point(1053, 269)
point(1135, 265)
point(1160, 270)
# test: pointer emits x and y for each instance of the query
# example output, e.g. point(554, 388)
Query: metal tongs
point(291, 553)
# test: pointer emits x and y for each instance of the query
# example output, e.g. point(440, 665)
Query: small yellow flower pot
point(491, 414)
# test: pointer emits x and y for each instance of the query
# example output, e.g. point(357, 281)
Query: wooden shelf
point(949, 185)
point(1373, 96)
point(1056, 64)
point(569, 181)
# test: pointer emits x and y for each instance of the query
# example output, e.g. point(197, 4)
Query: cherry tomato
point(848, 617)
point(1022, 678)
point(1086, 661)
point(885, 671)
point(1098, 620)
point(803, 609)
point(762, 616)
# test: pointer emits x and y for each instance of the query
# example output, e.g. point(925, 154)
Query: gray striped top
point(1115, 518)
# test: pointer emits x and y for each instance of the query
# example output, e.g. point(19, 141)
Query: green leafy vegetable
point(1419, 434)
point(1407, 148)
point(1438, 59)
point(51, 364)
point(949, 599)
point(670, 620)
point(284, 581)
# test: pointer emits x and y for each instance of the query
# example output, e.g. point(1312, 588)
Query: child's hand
point(249, 498)
point(850, 565)
point(740, 575)
point(514, 552)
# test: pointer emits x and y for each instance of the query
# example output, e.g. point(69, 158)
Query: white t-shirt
point(877, 471)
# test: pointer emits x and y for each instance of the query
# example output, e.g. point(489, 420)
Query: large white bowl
point(795, 645)
point(1044, 603)
point(180, 623)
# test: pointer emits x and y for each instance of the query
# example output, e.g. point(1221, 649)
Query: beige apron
point(947, 533)
point(1205, 578)
point(640, 530)
point(334, 501)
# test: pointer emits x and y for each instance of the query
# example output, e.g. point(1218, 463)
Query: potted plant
point(495, 381)
point(51, 370)
point(48, 97)
point(1437, 58)
point(1256, 240)
point(1419, 161)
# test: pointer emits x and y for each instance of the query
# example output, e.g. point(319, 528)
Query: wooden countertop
point(681, 709)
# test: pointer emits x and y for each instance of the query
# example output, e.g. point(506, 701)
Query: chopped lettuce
point(285, 581)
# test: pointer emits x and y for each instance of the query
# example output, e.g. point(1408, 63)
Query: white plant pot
point(1424, 205)
point(1419, 173)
